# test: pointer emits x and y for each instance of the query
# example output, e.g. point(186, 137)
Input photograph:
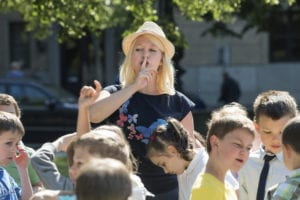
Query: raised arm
point(42, 162)
point(108, 103)
point(22, 160)
point(88, 96)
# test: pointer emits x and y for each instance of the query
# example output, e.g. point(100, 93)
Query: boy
point(11, 133)
point(229, 141)
point(265, 167)
point(290, 189)
point(10, 105)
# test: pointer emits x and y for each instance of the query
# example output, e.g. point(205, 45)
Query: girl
point(170, 149)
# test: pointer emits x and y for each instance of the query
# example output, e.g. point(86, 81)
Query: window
point(285, 34)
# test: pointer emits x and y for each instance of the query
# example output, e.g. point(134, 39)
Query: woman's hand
point(146, 76)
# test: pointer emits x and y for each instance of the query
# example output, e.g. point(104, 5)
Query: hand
point(62, 143)
point(146, 75)
point(88, 95)
point(22, 159)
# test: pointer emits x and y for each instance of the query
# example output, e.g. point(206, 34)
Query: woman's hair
point(166, 72)
point(7, 100)
point(103, 179)
point(221, 126)
point(104, 145)
point(172, 133)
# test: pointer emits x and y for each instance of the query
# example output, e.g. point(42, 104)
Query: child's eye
point(138, 49)
point(237, 145)
point(153, 50)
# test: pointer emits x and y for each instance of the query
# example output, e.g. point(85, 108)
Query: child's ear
point(171, 150)
point(288, 150)
point(214, 141)
point(256, 126)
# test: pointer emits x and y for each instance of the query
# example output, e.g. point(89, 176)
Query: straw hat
point(152, 29)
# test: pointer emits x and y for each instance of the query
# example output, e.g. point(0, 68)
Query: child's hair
point(7, 100)
point(173, 133)
point(10, 122)
point(233, 108)
point(103, 179)
point(291, 134)
point(221, 126)
point(274, 104)
point(104, 145)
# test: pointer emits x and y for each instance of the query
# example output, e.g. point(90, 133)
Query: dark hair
point(10, 122)
point(103, 179)
point(291, 134)
point(274, 104)
point(8, 100)
point(173, 133)
point(221, 126)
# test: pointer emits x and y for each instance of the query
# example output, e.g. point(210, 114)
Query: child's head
point(99, 143)
point(291, 145)
point(229, 139)
point(11, 132)
point(272, 110)
point(103, 179)
point(9, 104)
point(169, 147)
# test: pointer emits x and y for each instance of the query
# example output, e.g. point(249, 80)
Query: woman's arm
point(188, 124)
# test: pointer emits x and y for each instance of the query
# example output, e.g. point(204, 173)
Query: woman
point(144, 99)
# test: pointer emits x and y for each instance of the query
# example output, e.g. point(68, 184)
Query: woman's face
point(145, 49)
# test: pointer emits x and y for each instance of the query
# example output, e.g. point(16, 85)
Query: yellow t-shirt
point(209, 187)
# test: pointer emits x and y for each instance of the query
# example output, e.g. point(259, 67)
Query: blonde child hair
point(103, 179)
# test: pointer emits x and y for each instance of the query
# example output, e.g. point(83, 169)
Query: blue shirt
point(9, 190)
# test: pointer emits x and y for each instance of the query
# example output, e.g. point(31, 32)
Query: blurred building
point(258, 61)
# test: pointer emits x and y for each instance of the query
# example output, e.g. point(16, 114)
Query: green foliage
point(76, 18)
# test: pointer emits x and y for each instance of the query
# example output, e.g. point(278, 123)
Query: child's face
point(8, 146)
point(81, 156)
point(270, 132)
point(170, 162)
point(234, 148)
point(8, 108)
point(145, 49)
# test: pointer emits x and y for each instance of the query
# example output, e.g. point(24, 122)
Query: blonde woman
point(144, 99)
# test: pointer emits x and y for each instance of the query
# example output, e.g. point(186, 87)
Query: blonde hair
point(166, 72)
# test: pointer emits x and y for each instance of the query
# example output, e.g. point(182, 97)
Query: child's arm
point(22, 161)
point(43, 163)
point(88, 96)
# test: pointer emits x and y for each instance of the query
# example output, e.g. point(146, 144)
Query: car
point(46, 112)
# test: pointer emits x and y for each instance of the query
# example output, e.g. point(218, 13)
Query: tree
point(76, 18)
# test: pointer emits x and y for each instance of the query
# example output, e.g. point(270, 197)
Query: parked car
point(47, 113)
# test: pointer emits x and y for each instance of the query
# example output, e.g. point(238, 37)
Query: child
point(9, 104)
point(290, 189)
point(11, 133)
point(103, 179)
point(229, 141)
point(272, 110)
point(170, 149)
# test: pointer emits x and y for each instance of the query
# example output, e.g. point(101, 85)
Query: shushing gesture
point(146, 76)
